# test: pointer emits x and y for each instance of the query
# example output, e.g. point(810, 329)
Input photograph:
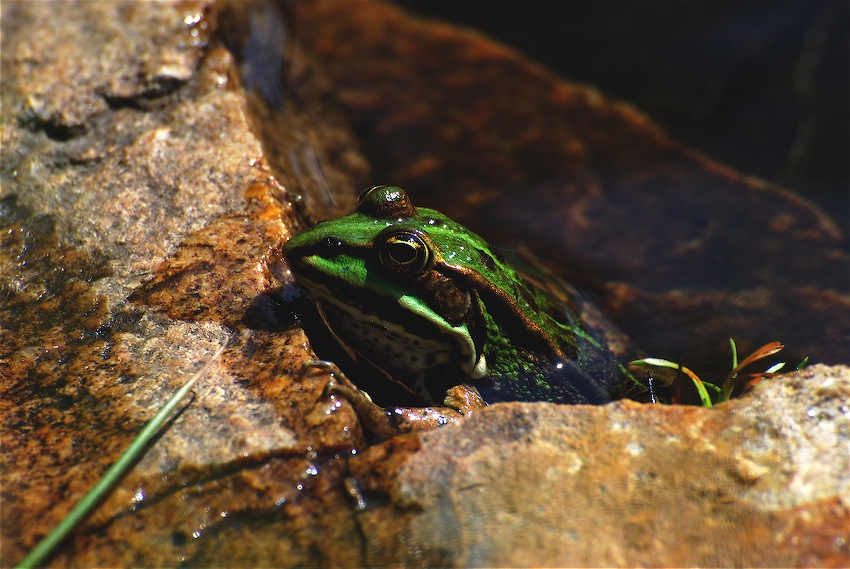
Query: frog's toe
point(331, 388)
point(320, 367)
point(464, 398)
point(342, 387)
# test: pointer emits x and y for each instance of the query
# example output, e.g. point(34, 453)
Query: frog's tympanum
point(433, 307)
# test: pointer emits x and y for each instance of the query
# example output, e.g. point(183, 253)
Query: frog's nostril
point(332, 246)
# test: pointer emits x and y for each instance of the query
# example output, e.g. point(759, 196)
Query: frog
point(428, 304)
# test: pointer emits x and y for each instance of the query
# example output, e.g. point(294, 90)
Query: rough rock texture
point(140, 229)
point(142, 207)
point(624, 484)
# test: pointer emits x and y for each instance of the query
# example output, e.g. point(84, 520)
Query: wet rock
point(140, 229)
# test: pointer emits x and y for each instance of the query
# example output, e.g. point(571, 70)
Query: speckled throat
point(395, 335)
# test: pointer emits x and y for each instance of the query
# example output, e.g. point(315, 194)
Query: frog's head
point(410, 290)
point(396, 284)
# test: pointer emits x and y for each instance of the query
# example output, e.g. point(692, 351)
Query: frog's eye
point(405, 252)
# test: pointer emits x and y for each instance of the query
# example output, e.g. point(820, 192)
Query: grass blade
point(698, 383)
point(763, 352)
point(43, 549)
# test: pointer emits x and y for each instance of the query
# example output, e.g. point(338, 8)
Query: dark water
point(759, 86)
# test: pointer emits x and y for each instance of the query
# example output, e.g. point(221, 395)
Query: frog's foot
point(386, 422)
point(464, 398)
point(460, 402)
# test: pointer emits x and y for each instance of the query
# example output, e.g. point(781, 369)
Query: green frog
point(427, 303)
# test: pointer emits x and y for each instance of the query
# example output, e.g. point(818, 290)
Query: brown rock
point(140, 229)
point(623, 485)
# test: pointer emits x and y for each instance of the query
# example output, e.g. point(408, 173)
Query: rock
point(626, 484)
point(144, 196)
point(140, 227)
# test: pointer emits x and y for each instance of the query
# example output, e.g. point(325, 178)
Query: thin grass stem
point(45, 547)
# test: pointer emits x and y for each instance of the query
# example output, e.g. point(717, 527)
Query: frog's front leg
point(387, 422)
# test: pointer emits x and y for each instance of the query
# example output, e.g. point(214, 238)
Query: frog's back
point(583, 371)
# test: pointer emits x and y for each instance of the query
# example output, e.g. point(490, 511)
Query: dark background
point(761, 86)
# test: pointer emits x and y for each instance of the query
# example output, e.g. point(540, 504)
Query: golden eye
point(405, 252)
